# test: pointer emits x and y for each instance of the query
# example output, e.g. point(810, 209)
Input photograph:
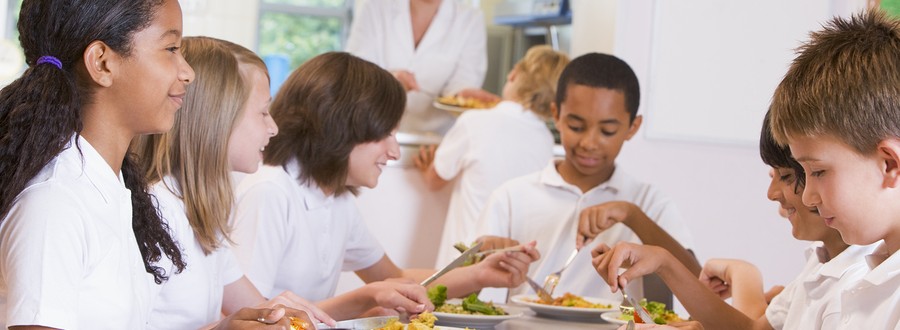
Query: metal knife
point(543, 294)
point(455, 263)
point(638, 309)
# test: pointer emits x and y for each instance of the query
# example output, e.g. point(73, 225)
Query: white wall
point(720, 188)
point(232, 20)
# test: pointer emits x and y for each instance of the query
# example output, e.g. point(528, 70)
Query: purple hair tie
point(49, 59)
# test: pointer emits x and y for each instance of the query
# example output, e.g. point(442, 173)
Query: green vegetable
point(437, 295)
point(471, 303)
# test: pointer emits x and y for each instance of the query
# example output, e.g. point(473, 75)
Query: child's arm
point(425, 164)
point(702, 304)
point(743, 282)
point(595, 219)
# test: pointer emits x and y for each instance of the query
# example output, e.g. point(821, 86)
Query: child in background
point(222, 126)
point(811, 301)
point(586, 195)
point(486, 148)
point(297, 224)
point(838, 108)
point(80, 237)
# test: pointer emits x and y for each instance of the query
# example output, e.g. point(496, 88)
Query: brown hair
point(195, 152)
point(845, 82)
point(536, 77)
point(330, 104)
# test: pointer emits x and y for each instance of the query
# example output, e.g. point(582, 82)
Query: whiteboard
point(715, 64)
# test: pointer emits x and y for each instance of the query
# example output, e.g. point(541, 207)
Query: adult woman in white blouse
point(433, 47)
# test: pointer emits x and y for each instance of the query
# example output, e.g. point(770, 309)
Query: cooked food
point(471, 306)
point(571, 300)
point(424, 321)
point(298, 324)
point(657, 310)
point(465, 102)
point(437, 295)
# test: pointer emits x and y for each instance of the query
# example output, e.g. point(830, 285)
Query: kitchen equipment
point(545, 297)
point(630, 302)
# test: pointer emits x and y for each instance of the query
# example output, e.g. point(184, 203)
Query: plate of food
point(568, 307)
point(458, 104)
point(472, 313)
point(424, 321)
point(657, 310)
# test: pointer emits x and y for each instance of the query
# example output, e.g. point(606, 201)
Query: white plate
point(566, 313)
point(446, 107)
point(472, 321)
point(613, 317)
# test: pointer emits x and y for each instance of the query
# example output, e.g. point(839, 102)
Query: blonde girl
point(224, 126)
point(483, 149)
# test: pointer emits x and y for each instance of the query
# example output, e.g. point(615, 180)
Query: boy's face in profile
point(593, 124)
point(846, 187)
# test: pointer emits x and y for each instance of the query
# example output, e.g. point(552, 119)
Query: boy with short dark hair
point(581, 200)
point(838, 108)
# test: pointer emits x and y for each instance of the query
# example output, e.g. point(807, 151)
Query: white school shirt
point(874, 301)
point(451, 56)
point(484, 149)
point(290, 236)
point(68, 255)
point(543, 207)
point(192, 298)
point(813, 300)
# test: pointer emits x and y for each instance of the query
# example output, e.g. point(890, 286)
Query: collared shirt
point(874, 301)
point(291, 236)
point(812, 299)
point(484, 149)
point(451, 56)
point(68, 255)
point(193, 298)
point(543, 207)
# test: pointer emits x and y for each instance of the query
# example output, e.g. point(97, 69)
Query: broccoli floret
point(472, 304)
point(437, 295)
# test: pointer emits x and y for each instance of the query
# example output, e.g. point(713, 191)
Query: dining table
point(531, 321)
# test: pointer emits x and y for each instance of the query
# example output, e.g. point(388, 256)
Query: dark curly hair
point(598, 70)
point(40, 111)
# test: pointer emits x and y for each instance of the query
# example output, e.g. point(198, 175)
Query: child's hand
point(278, 317)
point(506, 269)
point(495, 242)
point(425, 158)
point(399, 295)
point(639, 259)
point(292, 300)
point(717, 275)
point(479, 94)
point(595, 219)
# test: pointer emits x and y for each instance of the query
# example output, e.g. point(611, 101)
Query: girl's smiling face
point(367, 160)
point(255, 127)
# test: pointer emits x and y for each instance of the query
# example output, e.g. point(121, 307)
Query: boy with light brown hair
point(838, 109)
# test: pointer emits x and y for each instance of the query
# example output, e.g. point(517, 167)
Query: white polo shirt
point(192, 298)
point(290, 236)
point(543, 207)
point(812, 299)
point(874, 301)
point(484, 149)
point(68, 255)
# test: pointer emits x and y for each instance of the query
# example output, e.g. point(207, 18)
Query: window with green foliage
point(293, 31)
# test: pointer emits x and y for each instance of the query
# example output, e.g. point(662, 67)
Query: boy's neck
point(834, 247)
point(584, 182)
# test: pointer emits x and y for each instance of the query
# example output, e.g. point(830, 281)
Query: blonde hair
point(195, 151)
point(845, 82)
point(536, 77)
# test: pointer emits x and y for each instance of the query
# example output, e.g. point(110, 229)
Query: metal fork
point(552, 280)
